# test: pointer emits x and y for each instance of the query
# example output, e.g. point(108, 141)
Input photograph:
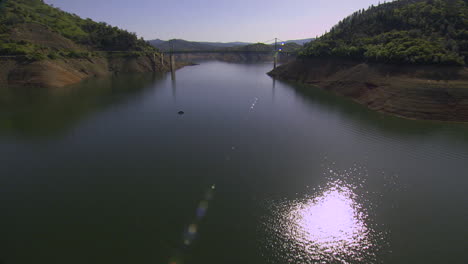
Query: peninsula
point(407, 58)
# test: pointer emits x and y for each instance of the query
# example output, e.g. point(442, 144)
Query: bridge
point(276, 45)
point(259, 48)
point(229, 51)
point(277, 49)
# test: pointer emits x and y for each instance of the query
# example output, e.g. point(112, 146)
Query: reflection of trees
point(369, 119)
point(38, 112)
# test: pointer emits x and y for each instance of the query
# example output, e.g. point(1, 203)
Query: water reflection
point(369, 119)
point(273, 92)
point(332, 226)
point(34, 112)
point(174, 86)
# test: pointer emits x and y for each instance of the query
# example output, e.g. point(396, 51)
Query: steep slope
point(404, 58)
point(43, 46)
point(403, 32)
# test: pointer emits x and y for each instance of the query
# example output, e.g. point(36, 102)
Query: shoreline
point(418, 92)
point(65, 72)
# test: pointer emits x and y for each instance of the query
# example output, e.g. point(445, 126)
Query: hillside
point(33, 28)
point(405, 58)
point(403, 32)
point(38, 31)
point(44, 46)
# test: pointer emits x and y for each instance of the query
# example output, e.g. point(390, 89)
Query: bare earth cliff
point(63, 72)
point(415, 92)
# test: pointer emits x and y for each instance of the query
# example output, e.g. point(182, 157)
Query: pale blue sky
point(218, 20)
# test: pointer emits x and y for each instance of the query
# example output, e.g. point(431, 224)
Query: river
point(254, 171)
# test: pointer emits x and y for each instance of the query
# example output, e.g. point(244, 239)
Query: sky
point(217, 20)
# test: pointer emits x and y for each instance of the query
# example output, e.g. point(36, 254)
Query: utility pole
point(276, 53)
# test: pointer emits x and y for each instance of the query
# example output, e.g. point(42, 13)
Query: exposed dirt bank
point(415, 92)
point(59, 73)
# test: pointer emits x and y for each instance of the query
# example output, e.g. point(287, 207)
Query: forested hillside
point(402, 32)
point(38, 31)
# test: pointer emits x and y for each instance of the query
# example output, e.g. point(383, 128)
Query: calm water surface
point(255, 171)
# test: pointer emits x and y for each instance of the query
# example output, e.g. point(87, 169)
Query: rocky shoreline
point(414, 92)
point(64, 72)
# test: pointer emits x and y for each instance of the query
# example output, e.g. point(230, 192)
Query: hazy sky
point(217, 20)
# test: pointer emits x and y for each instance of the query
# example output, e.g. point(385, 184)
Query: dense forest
point(90, 37)
point(402, 32)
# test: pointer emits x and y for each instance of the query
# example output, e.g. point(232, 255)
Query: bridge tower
point(275, 55)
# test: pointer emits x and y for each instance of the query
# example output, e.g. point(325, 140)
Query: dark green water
point(256, 171)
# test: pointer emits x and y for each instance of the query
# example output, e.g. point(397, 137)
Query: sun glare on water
point(329, 224)
point(331, 227)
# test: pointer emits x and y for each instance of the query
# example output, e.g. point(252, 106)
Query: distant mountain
point(300, 41)
point(259, 47)
point(180, 45)
point(156, 42)
point(184, 45)
point(287, 47)
point(226, 44)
